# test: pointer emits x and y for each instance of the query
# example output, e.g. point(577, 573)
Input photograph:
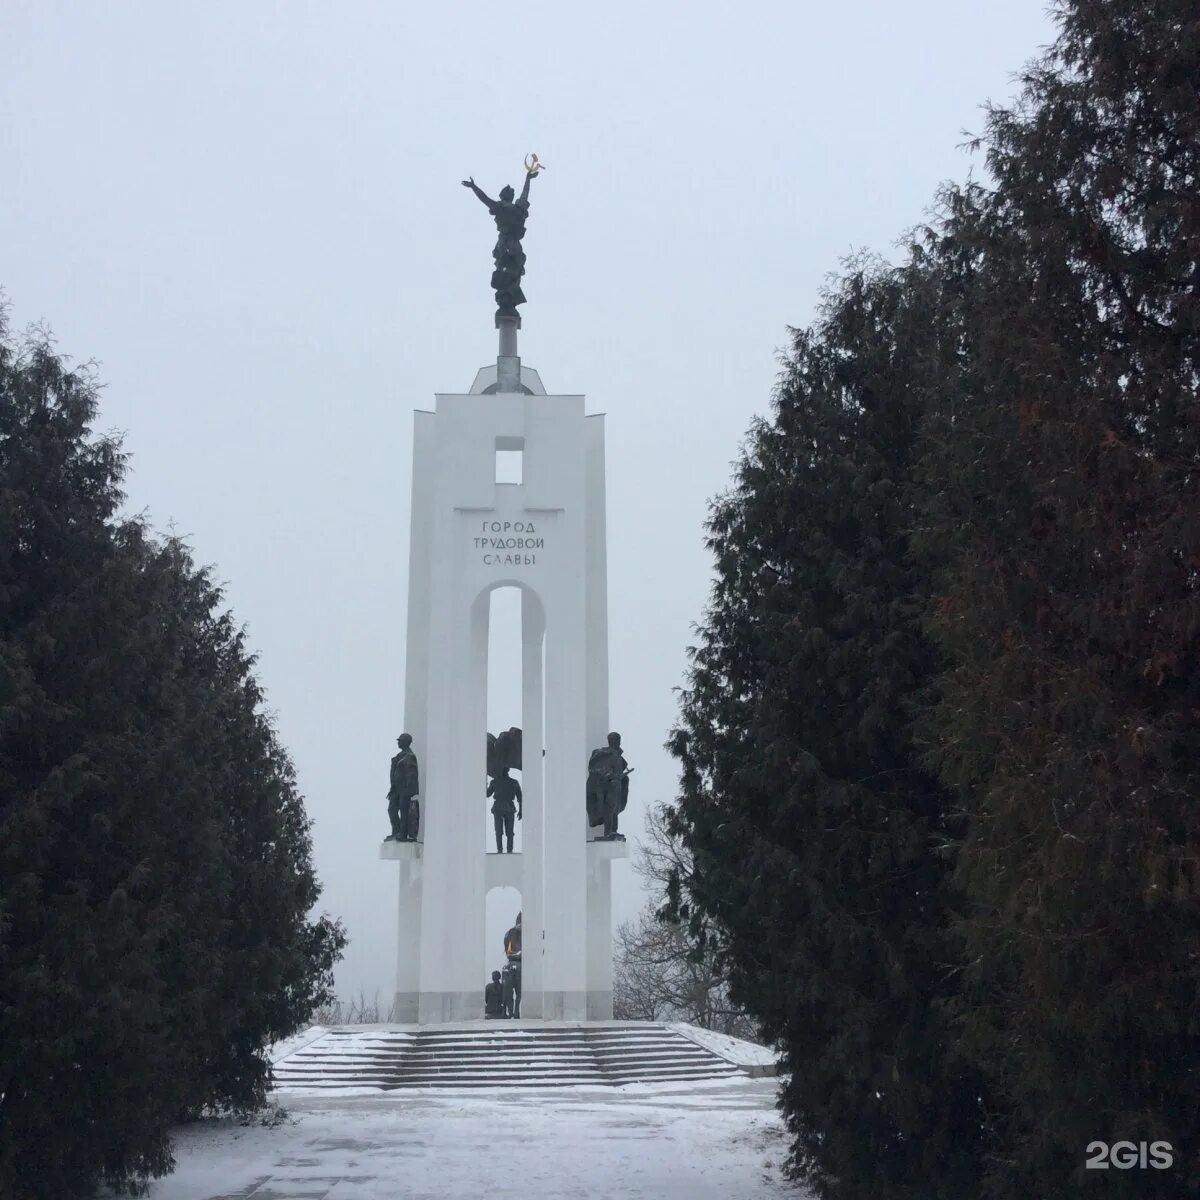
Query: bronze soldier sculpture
point(402, 808)
point(607, 787)
point(510, 215)
point(507, 803)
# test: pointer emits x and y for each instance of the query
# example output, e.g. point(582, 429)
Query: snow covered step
point(630, 1065)
point(618, 1075)
point(497, 1054)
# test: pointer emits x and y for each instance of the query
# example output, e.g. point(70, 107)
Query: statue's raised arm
point(470, 183)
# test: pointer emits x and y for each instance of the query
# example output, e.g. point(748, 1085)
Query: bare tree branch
point(658, 974)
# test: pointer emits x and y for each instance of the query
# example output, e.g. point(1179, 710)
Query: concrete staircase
point(497, 1054)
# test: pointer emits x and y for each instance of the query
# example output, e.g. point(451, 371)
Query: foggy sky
point(250, 215)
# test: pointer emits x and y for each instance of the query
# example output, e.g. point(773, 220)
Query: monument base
point(415, 1008)
point(599, 1006)
point(564, 1006)
point(437, 1007)
point(406, 1008)
point(400, 851)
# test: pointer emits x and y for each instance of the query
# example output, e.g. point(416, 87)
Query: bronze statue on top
point(510, 215)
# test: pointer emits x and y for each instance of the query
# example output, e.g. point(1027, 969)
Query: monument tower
point(545, 536)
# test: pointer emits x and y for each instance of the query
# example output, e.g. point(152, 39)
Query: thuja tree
point(819, 845)
point(1065, 515)
point(155, 862)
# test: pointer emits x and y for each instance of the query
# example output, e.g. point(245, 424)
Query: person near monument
point(512, 941)
point(510, 215)
point(607, 787)
point(493, 998)
point(511, 989)
point(512, 970)
point(402, 804)
point(506, 805)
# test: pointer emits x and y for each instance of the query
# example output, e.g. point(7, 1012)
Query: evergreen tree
point(155, 874)
point(968, 543)
point(813, 830)
point(1064, 494)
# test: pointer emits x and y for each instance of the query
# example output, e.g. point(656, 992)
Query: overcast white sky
point(250, 215)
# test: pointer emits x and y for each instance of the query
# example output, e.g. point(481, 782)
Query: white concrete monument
point(471, 534)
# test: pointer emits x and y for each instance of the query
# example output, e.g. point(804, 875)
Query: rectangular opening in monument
point(505, 695)
point(504, 712)
point(503, 905)
point(510, 460)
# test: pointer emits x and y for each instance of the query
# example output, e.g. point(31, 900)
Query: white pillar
point(596, 583)
point(599, 936)
point(565, 966)
point(416, 703)
point(408, 940)
point(533, 628)
point(452, 907)
point(599, 887)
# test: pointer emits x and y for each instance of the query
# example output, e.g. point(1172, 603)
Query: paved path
point(647, 1142)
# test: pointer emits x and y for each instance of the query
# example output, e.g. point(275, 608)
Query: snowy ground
point(718, 1141)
